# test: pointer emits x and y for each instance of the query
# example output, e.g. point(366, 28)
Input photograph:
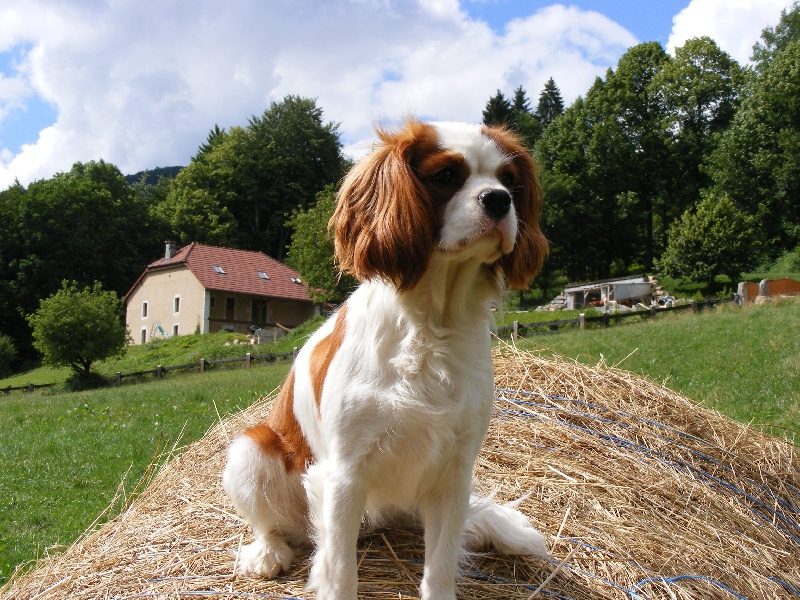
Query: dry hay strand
point(640, 492)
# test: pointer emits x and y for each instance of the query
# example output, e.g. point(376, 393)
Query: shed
point(631, 289)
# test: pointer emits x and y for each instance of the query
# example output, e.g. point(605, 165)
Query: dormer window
point(263, 275)
point(296, 280)
point(218, 269)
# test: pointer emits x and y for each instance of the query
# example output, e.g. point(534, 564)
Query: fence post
point(652, 310)
point(202, 365)
point(247, 358)
point(158, 372)
point(694, 306)
point(514, 330)
point(30, 388)
point(582, 320)
point(119, 377)
point(605, 319)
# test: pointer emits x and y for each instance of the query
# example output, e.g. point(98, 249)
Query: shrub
point(8, 352)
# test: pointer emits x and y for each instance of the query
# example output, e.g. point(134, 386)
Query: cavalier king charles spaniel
point(387, 405)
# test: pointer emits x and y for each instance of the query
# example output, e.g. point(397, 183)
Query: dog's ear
point(531, 247)
point(384, 225)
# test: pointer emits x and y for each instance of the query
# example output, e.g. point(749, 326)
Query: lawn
point(64, 457)
point(741, 361)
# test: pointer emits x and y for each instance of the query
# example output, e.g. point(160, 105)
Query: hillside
point(153, 175)
point(743, 362)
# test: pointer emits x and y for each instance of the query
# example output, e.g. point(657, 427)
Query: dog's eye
point(445, 176)
point(507, 179)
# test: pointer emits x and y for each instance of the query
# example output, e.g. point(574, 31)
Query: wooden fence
point(512, 331)
point(582, 322)
point(160, 371)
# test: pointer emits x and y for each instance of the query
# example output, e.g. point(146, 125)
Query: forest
point(684, 164)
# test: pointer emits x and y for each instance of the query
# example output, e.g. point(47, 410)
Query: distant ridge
point(153, 175)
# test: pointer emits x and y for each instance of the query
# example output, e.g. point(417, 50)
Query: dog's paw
point(264, 558)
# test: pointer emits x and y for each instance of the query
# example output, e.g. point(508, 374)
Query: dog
point(388, 403)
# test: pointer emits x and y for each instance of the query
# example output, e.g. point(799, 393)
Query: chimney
point(170, 250)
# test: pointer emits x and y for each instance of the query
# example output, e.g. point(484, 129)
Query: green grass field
point(741, 361)
point(64, 457)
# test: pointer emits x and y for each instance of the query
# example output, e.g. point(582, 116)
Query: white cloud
point(734, 24)
point(140, 83)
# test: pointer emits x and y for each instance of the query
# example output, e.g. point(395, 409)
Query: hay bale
point(640, 492)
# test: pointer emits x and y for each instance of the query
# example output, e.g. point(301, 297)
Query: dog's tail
point(501, 526)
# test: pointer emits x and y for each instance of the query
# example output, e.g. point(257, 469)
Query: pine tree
point(498, 111)
point(551, 104)
point(521, 103)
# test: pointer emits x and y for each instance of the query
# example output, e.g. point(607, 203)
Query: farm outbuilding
point(632, 289)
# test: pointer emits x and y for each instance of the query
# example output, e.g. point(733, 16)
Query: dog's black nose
point(495, 203)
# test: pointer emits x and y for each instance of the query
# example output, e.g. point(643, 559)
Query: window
point(176, 305)
point(144, 310)
point(218, 269)
point(143, 336)
point(296, 280)
point(213, 302)
point(174, 330)
point(263, 275)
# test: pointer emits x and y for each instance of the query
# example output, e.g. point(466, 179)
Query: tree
point(521, 104)
point(86, 225)
point(250, 179)
point(714, 238)
point(76, 327)
point(776, 39)
point(8, 353)
point(498, 111)
point(311, 251)
point(578, 217)
point(551, 104)
point(757, 160)
point(700, 92)
point(196, 206)
point(635, 118)
point(215, 137)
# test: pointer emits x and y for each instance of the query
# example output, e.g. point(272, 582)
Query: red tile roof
point(241, 268)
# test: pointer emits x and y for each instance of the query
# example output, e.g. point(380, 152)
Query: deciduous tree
point(700, 90)
point(85, 225)
point(247, 181)
point(714, 238)
point(757, 160)
point(75, 327)
point(311, 251)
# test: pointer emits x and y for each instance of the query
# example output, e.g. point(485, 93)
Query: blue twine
point(677, 578)
point(661, 457)
point(786, 585)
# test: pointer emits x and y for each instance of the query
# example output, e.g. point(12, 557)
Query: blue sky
point(139, 83)
point(648, 20)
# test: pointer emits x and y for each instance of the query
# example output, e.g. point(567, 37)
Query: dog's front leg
point(337, 504)
point(443, 518)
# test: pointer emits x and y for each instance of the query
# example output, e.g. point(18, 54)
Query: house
point(633, 289)
point(206, 289)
